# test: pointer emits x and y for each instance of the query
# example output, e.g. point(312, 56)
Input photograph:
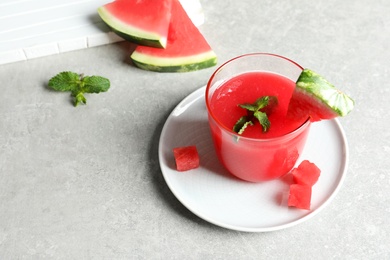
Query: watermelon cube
point(306, 173)
point(300, 196)
point(186, 158)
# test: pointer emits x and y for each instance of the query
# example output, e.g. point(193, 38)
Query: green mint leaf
point(78, 85)
point(260, 110)
point(262, 102)
point(248, 123)
point(95, 84)
point(249, 107)
point(241, 123)
point(65, 81)
point(263, 120)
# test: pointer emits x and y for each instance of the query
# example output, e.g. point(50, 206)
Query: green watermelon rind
point(131, 33)
point(174, 64)
point(327, 96)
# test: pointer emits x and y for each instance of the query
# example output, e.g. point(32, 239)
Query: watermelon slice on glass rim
point(318, 99)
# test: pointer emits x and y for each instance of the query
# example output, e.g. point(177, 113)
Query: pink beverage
point(255, 156)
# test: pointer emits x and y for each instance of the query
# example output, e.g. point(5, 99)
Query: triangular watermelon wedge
point(186, 50)
point(144, 22)
point(318, 99)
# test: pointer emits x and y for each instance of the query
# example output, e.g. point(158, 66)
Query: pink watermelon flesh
point(300, 196)
point(306, 173)
point(186, 48)
point(303, 106)
point(186, 158)
point(144, 22)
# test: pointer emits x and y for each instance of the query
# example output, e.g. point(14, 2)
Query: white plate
point(212, 194)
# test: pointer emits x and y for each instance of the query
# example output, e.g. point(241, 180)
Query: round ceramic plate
point(214, 195)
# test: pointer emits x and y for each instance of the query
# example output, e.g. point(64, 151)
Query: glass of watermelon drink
point(255, 155)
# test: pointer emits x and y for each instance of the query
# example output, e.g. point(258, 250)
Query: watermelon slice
point(143, 22)
point(186, 158)
point(186, 49)
point(316, 98)
point(306, 173)
point(300, 196)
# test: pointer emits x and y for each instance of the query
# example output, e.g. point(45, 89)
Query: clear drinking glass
point(253, 159)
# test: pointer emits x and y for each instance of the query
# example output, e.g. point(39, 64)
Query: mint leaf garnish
point(258, 110)
point(242, 124)
point(78, 85)
point(263, 119)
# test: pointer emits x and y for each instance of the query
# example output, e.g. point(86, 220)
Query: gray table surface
point(85, 182)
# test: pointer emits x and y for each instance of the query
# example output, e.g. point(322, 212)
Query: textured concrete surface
point(85, 182)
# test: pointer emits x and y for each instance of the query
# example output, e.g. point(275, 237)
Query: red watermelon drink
point(263, 151)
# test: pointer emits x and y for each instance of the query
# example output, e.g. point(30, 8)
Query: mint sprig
point(258, 110)
point(77, 84)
